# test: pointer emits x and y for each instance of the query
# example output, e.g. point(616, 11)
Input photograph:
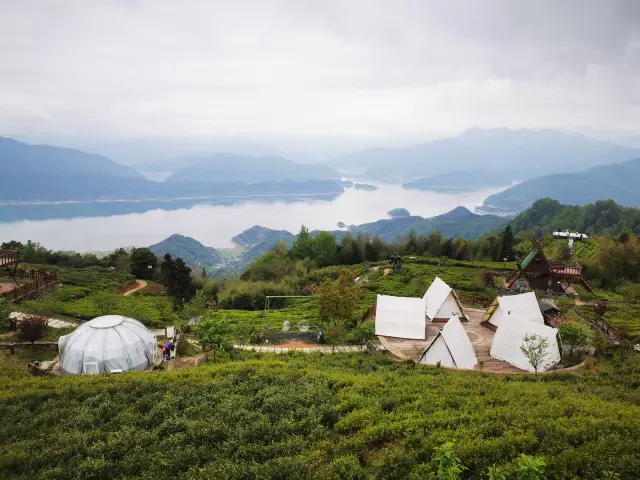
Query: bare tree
point(535, 347)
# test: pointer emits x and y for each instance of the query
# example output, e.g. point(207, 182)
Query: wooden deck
point(479, 335)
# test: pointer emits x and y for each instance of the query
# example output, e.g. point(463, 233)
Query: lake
point(103, 226)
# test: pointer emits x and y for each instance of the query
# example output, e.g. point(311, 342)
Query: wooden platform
point(480, 336)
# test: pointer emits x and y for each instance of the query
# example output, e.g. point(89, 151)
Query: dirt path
point(140, 285)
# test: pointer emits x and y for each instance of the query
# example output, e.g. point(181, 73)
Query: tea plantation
point(311, 416)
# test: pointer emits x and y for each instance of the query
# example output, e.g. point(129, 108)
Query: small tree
point(177, 278)
point(575, 336)
point(215, 333)
point(534, 347)
point(143, 261)
point(339, 298)
point(5, 311)
point(33, 328)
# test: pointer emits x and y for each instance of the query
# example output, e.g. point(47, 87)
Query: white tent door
point(438, 352)
point(449, 308)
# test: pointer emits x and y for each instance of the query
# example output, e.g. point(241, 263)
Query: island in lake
point(364, 186)
point(398, 213)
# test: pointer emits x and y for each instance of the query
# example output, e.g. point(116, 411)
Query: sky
point(359, 71)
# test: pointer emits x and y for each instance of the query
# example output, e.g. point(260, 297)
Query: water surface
point(108, 225)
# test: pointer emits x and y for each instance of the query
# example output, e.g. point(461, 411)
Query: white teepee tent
point(442, 302)
point(522, 307)
point(451, 347)
point(510, 336)
point(402, 317)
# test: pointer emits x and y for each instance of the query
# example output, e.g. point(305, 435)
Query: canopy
point(451, 347)
point(107, 343)
point(441, 301)
point(402, 317)
point(522, 307)
point(510, 336)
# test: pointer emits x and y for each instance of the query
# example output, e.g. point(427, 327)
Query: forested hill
point(459, 222)
point(618, 182)
point(191, 251)
point(603, 217)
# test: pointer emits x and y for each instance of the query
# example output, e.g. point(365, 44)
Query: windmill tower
point(570, 237)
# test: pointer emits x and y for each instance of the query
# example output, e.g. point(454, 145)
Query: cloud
point(307, 69)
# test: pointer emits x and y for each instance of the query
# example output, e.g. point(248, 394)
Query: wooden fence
point(28, 289)
point(8, 257)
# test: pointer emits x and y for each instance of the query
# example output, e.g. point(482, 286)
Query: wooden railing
point(8, 257)
point(23, 273)
point(30, 288)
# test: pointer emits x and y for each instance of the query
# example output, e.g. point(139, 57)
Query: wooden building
point(536, 272)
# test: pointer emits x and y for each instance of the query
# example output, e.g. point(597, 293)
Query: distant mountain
point(459, 222)
point(236, 168)
point(465, 180)
point(618, 182)
point(398, 212)
point(258, 240)
point(191, 251)
point(18, 159)
point(522, 154)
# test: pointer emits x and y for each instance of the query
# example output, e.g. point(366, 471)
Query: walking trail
point(141, 284)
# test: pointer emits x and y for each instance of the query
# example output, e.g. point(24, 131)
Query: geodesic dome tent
point(105, 344)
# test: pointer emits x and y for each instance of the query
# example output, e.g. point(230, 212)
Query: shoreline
point(160, 199)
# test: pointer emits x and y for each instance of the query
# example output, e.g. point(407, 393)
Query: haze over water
point(215, 225)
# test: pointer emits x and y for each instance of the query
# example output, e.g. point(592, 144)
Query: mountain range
point(507, 154)
point(618, 182)
point(43, 173)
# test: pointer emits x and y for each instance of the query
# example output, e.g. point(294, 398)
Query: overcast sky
point(378, 71)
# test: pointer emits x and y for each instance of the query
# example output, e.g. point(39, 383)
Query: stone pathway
point(322, 349)
point(51, 322)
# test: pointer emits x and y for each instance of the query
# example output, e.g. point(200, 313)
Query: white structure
point(402, 317)
point(521, 307)
point(451, 347)
point(107, 344)
point(442, 302)
point(510, 336)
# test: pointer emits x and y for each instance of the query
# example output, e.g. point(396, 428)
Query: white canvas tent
point(451, 347)
point(442, 302)
point(402, 317)
point(522, 307)
point(509, 337)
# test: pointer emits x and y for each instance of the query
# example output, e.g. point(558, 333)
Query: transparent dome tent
point(111, 343)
